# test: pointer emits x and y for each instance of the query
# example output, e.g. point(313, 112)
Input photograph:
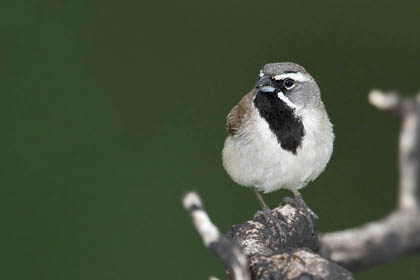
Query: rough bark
point(294, 257)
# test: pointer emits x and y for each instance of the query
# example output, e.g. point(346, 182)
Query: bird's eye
point(288, 83)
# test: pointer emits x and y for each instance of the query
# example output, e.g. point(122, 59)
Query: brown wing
point(239, 114)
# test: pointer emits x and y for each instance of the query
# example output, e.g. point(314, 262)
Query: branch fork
point(253, 249)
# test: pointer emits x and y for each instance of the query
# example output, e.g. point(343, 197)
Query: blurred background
point(110, 111)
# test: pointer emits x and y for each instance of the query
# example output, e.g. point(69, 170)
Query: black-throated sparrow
point(280, 136)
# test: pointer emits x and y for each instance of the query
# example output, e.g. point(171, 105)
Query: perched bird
point(280, 136)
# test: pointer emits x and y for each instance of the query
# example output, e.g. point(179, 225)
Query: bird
point(279, 135)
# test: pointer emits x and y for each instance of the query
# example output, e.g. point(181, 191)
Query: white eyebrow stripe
point(261, 73)
point(300, 77)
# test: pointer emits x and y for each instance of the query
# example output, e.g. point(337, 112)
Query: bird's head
point(289, 82)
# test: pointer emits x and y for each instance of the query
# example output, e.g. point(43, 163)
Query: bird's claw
point(299, 203)
point(271, 219)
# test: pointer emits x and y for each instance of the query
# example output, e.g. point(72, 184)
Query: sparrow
point(279, 134)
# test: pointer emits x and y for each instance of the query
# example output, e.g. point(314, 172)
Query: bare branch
point(409, 160)
point(387, 102)
point(384, 240)
point(409, 110)
point(374, 243)
point(227, 250)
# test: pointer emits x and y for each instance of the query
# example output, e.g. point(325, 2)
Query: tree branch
point(272, 257)
point(382, 241)
point(227, 250)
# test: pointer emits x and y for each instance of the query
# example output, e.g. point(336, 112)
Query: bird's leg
point(300, 203)
point(261, 201)
point(266, 212)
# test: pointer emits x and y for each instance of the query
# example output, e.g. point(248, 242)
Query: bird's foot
point(299, 203)
point(275, 221)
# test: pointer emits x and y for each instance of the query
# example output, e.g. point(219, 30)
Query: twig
point(384, 240)
point(227, 250)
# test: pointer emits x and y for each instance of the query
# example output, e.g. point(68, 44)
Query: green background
point(110, 111)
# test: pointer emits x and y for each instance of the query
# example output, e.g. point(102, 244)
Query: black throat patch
point(281, 119)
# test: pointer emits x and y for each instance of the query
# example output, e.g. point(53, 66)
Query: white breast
point(255, 158)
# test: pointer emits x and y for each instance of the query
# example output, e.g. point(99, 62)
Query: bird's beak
point(265, 84)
